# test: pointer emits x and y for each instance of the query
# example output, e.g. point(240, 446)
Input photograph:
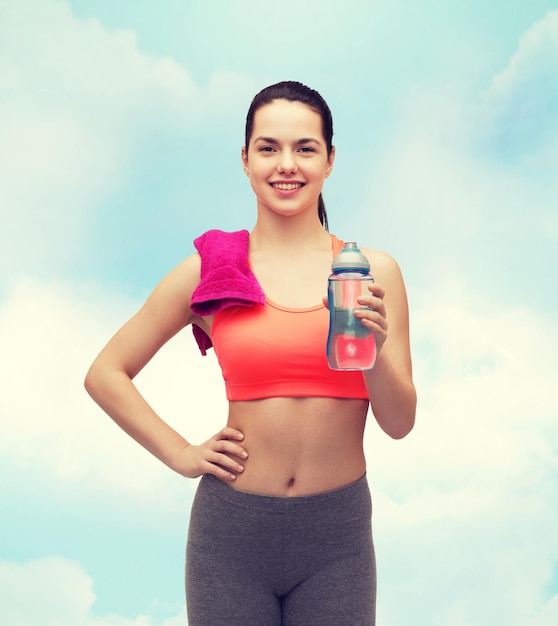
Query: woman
point(280, 531)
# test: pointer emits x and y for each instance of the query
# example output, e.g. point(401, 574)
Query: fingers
point(229, 433)
point(223, 466)
point(224, 456)
point(374, 301)
point(225, 442)
point(374, 316)
point(377, 290)
point(372, 319)
point(226, 446)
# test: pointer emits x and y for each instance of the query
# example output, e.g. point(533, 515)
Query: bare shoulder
point(167, 309)
point(387, 273)
point(175, 291)
point(383, 266)
point(165, 312)
point(186, 275)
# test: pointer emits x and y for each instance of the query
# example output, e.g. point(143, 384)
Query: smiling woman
point(280, 530)
point(287, 93)
point(288, 159)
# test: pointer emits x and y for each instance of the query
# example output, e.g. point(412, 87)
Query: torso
point(298, 446)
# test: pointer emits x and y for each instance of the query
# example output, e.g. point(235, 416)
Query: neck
point(276, 232)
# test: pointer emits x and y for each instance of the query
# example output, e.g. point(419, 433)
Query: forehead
point(286, 118)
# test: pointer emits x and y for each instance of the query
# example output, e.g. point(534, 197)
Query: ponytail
point(322, 213)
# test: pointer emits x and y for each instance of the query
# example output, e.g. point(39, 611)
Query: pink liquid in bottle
point(354, 353)
point(350, 345)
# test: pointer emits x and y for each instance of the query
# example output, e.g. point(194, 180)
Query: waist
point(300, 446)
point(324, 501)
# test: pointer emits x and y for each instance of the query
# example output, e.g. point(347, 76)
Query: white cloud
point(56, 592)
point(78, 103)
point(438, 179)
point(60, 62)
point(49, 334)
point(466, 505)
point(457, 194)
point(59, 590)
point(523, 98)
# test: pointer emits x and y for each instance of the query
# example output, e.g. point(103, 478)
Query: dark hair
point(294, 92)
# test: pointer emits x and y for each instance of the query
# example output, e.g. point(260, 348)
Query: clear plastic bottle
point(350, 345)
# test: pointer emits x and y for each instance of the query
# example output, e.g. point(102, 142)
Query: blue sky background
point(120, 132)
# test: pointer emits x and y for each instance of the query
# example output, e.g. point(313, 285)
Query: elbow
point(89, 382)
point(93, 381)
point(402, 429)
point(400, 421)
point(102, 381)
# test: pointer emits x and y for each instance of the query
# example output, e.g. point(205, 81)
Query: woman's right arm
point(109, 381)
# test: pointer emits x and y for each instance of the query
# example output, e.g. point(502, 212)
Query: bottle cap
point(350, 258)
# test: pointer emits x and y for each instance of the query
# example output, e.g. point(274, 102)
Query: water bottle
point(350, 345)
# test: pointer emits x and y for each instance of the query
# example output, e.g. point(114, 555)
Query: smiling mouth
point(287, 186)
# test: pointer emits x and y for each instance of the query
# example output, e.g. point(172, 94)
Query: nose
point(287, 163)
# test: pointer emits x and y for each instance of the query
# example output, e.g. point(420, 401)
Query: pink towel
point(225, 277)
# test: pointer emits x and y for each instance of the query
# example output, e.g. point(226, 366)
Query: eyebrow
point(298, 142)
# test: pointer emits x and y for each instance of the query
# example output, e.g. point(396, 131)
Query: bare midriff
point(299, 446)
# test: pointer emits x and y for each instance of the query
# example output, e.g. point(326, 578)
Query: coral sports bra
point(267, 350)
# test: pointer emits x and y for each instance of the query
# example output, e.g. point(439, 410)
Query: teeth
point(287, 186)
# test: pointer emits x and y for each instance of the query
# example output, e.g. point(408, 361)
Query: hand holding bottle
point(354, 320)
point(372, 313)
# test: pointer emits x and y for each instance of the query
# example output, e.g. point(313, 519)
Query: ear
point(244, 156)
point(330, 160)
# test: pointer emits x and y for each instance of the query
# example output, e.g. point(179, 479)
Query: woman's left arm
point(390, 383)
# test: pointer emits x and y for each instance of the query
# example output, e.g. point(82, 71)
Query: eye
point(266, 149)
point(306, 149)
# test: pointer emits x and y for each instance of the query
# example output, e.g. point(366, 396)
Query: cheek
point(256, 177)
point(319, 171)
point(258, 171)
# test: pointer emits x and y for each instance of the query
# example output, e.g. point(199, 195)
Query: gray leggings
point(257, 560)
